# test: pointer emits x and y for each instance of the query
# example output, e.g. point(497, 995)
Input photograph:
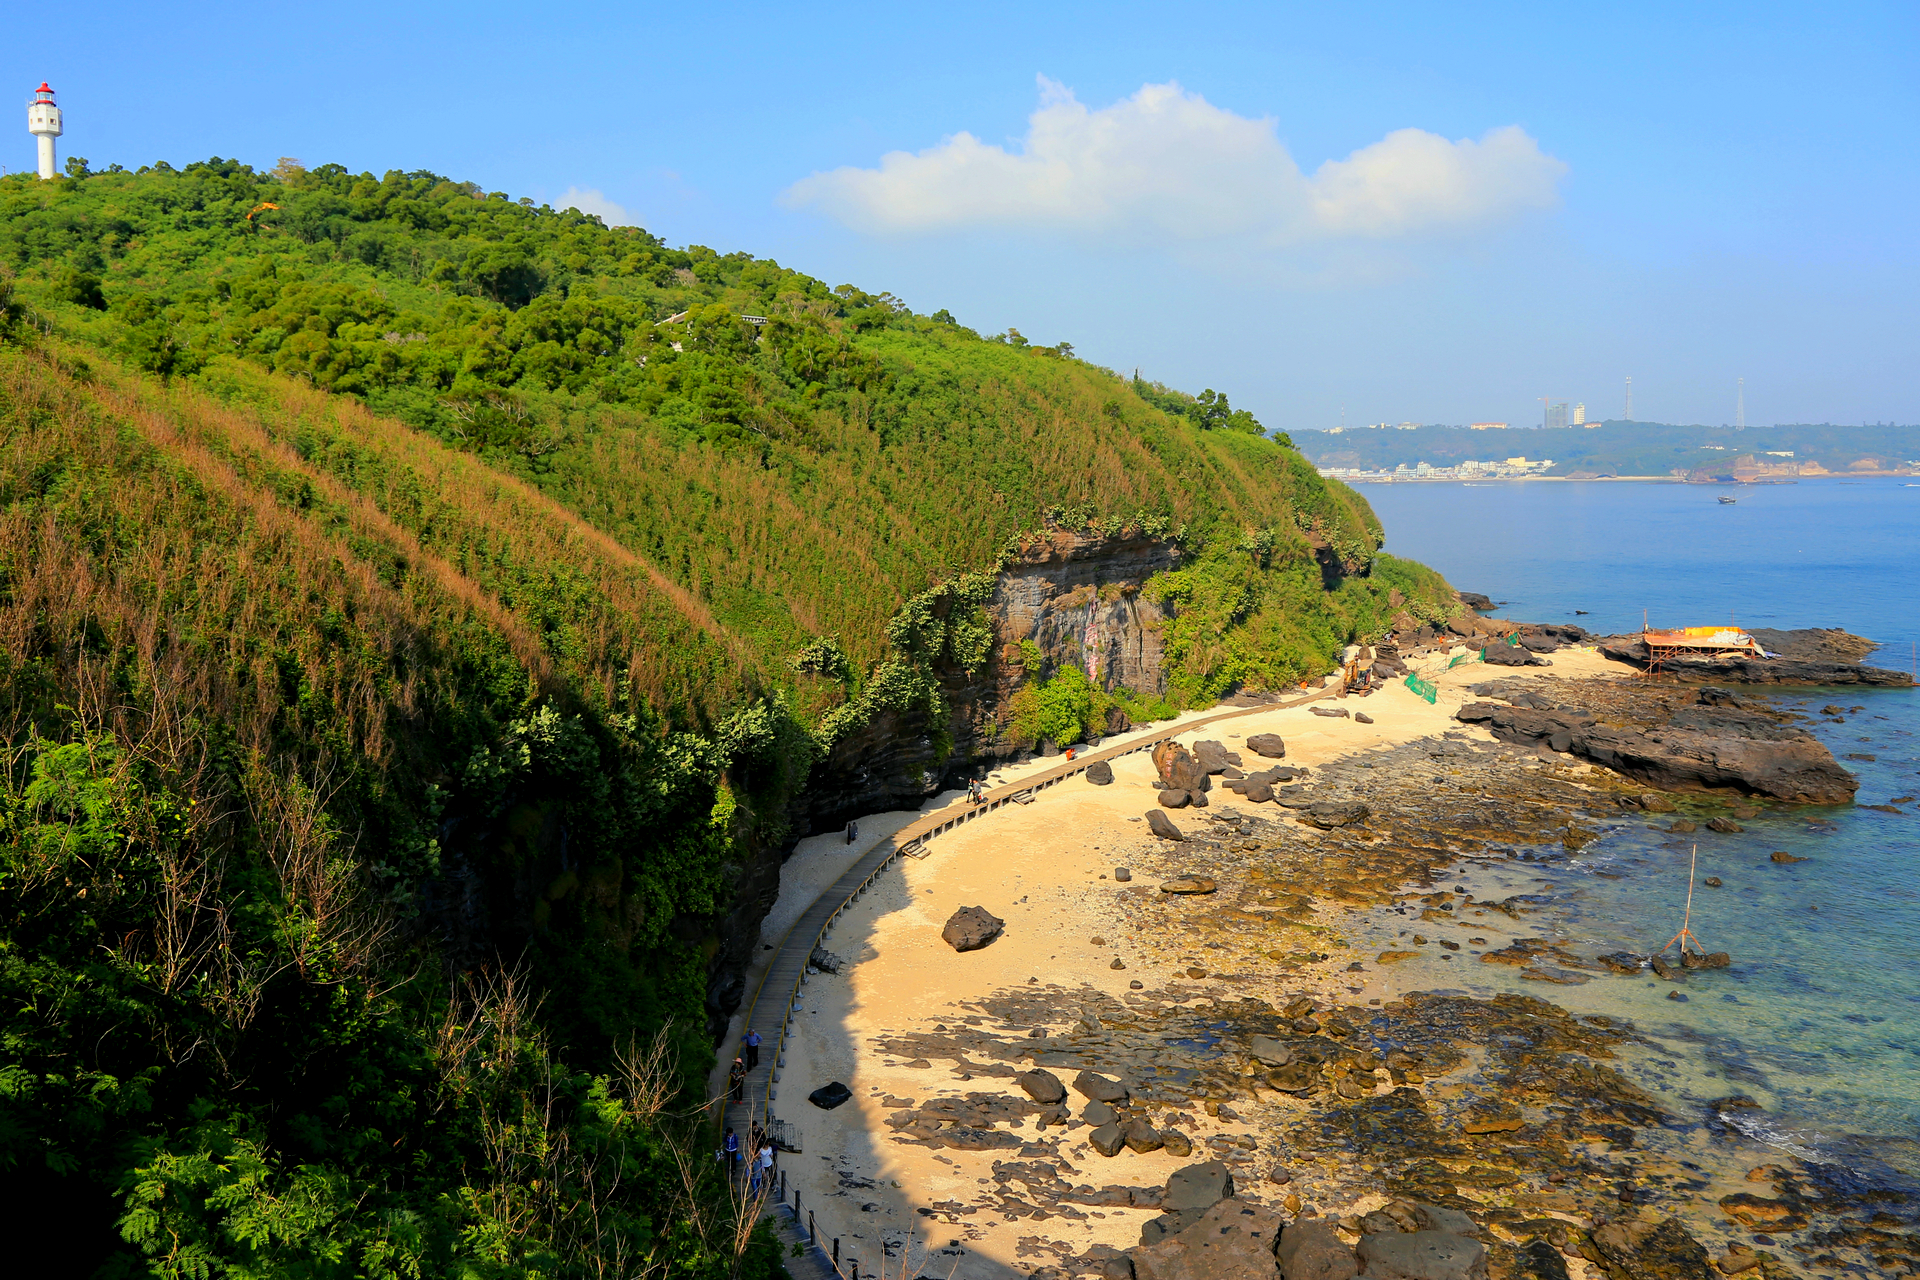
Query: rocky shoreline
point(1354, 1126)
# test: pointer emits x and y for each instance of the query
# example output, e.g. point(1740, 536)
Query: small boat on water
point(1725, 501)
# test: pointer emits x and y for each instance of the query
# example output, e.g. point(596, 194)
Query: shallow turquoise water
point(1819, 1017)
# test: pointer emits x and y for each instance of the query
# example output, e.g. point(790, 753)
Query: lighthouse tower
point(43, 122)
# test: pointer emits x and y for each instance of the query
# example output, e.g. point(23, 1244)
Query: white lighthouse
point(43, 122)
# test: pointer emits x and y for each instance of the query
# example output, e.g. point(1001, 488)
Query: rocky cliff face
point(1077, 596)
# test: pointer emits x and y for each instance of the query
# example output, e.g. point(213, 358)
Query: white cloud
point(591, 200)
point(1168, 163)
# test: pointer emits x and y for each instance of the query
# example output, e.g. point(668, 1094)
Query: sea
point(1818, 1019)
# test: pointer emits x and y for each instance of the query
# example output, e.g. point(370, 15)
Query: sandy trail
point(1046, 869)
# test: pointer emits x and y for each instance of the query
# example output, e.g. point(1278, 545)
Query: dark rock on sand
point(1507, 655)
point(1106, 1140)
point(971, 928)
point(824, 960)
point(1698, 747)
point(1198, 1186)
point(1726, 826)
point(1122, 874)
point(1099, 1088)
point(1173, 799)
point(1163, 826)
point(829, 1096)
point(1332, 713)
point(1100, 773)
point(1140, 1136)
point(1706, 960)
point(1213, 757)
point(1099, 1113)
point(1361, 717)
point(1270, 745)
point(1041, 1085)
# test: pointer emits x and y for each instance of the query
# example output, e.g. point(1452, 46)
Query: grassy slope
point(342, 675)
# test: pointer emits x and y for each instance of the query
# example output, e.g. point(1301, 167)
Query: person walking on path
point(753, 1048)
point(737, 1082)
point(763, 1166)
point(732, 1148)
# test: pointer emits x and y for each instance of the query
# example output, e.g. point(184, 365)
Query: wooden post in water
point(1686, 934)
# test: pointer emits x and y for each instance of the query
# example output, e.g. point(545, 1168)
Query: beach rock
point(1212, 756)
point(1176, 1143)
point(824, 960)
point(1172, 799)
point(1361, 717)
point(1331, 713)
point(1270, 745)
point(1433, 1217)
point(1258, 793)
point(1163, 825)
point(970, 1138)
point(1118, 963)
point(1188, 884)
point(1329, 814)
point(1682, 828)
point(1508, 655)
point(1106, 1140)
point(1641, 1247)
point(1726, 826)
point(1233, 1240)
point(1167, 1225)
point(1197, 1186)
point(1099, 1113)
point(1654, 802)
point(1122, 874)
point(1140, 1136)
point(1621, 962)
point(971, 928)
point(1664, 971)
point(1311, 1249)
point(1041, 1085)
point(1422, 1255)
point(1781, 855)
point(1099, 1088)
point(1712, 882)
point(1707, 960)
point(1177, 769)
point(829, 1096)
point(1271, 1050)
point(1697, 748)
point(1475, 601)
point(1100, 773)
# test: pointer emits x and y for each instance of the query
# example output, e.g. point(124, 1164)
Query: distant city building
point(1487, 426)
point(1409, 426)
point(1556, 415)
point(1579, 415)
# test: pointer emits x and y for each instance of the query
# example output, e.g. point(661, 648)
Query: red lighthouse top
point(43, 94)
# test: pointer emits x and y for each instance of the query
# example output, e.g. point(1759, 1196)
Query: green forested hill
point(418, 611)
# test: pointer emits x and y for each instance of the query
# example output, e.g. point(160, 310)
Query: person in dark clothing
point(737, 1082)
point(752, 1043)
point(732, 1148)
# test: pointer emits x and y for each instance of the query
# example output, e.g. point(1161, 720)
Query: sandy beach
point(1076, 938)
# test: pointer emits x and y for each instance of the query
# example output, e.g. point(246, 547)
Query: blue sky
point(1434, 213)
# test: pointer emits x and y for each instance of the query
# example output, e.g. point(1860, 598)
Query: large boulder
point(1162, 825)
point(1213, 757)
point(1270, 745)
point(1172, 799)
point(1311, 1249)
point(1100, 773)
point(1188, 884)
point(971, 928)
point(1233, 1240)
point(1697, 748)
point(1179, 770)
point(1271, 1050)
point(1106, 1139)
point(1198, 1186)
point(1140, 1136)
point(1042, 1085)
point(829, 1096)
point(1422, 1255)
point(1099, 1088)
point(1502, 654)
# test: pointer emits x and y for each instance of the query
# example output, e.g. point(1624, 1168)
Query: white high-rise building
point(1579, 415)
point(43, 122)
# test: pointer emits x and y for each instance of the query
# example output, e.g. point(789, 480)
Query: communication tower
point(1629, 413)
point(1740, 405)
point(43, 122)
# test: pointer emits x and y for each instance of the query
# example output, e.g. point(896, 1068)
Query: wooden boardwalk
point(781, 993)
